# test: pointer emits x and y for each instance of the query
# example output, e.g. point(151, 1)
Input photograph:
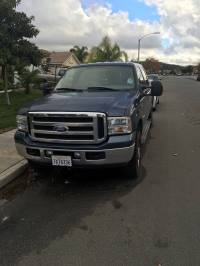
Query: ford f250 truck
point(98, 115)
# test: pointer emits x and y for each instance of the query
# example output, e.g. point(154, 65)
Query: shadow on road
point(53, 205)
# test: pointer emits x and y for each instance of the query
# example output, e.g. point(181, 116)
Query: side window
point(144, 74)
point(140, 76)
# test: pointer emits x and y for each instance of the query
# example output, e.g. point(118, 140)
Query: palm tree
point(80, 52)
point(28, 78)
point(106, 51)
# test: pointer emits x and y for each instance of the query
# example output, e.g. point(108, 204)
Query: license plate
point(62, 161)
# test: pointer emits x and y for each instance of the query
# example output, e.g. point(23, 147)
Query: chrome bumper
point(112, 156)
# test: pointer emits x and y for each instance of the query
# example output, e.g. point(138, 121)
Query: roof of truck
point(107, 64)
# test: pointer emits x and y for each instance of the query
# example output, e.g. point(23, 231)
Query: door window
point(140, 76)
point(144, 73)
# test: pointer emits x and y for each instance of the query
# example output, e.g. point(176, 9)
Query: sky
point(65, 23)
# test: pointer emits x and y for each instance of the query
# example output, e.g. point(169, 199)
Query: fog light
point(33, 152)
point(77, 155)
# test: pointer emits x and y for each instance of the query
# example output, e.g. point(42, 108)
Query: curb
point(13, 172)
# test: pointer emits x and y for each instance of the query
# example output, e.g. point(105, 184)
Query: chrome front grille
point(68, 127)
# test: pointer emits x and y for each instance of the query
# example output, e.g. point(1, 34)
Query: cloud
point(66, 23)
point(180, 22)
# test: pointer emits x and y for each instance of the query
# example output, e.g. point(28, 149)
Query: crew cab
point(99, 115)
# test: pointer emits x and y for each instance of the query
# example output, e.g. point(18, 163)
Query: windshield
point(98, 77)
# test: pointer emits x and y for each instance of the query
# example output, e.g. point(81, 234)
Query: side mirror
point(156, 88)
point(61, 73)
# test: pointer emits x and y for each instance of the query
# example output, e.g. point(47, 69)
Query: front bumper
point(112, 157)
point(116, 151)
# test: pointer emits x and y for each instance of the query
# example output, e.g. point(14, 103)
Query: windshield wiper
point(99, 88)
point(67, 89)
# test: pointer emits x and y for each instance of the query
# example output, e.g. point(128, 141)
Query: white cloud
point(180, 20)
point(65, 23)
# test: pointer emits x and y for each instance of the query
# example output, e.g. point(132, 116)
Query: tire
point(154, 105)
point(133, 170)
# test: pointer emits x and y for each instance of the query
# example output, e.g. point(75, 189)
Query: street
point(103, 219)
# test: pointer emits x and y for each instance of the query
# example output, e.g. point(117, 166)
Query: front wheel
point(133, 170)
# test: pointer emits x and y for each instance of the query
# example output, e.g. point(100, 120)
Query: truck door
point(149, 99)
point(143, 99)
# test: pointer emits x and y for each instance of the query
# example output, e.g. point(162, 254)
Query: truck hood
point(111, 103)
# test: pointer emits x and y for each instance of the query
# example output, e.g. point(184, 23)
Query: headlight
point(22, 123)
point(119, 125)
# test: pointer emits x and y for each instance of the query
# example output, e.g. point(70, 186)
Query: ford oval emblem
point(61, 129)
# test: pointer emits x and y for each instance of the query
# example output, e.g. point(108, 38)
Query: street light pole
point(139, 45)
point(139, 42)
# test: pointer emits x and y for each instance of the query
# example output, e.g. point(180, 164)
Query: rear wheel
point(154, 103)
point(133, 170)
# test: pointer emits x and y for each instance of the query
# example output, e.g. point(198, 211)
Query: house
point(53, 61)
point(62, 59)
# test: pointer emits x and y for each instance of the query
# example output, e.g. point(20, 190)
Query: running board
point(145, 131)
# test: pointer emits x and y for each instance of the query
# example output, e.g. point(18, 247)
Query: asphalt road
point(104, 219)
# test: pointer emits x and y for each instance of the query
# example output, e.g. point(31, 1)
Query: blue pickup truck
point(99, 115)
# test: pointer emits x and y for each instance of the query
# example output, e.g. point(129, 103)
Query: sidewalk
point(19, 89)
point(11, 164)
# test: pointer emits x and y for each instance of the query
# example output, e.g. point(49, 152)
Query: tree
point(15, 30)
point(28, 78)
point(106, 51)
point(152, 65)
point(45, 60)
point(80, 52)
point(198, 68)
point(187, 70)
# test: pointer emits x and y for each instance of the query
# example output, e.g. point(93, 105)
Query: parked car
point(198, 77)
point(155, 99)
point(48, 81)
point(50, 77)
point(98, 116)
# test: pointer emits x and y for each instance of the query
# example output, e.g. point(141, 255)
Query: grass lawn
point(8, 113)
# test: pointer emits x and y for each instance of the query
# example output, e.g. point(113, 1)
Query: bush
point(28, 79)
point(8, 113)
